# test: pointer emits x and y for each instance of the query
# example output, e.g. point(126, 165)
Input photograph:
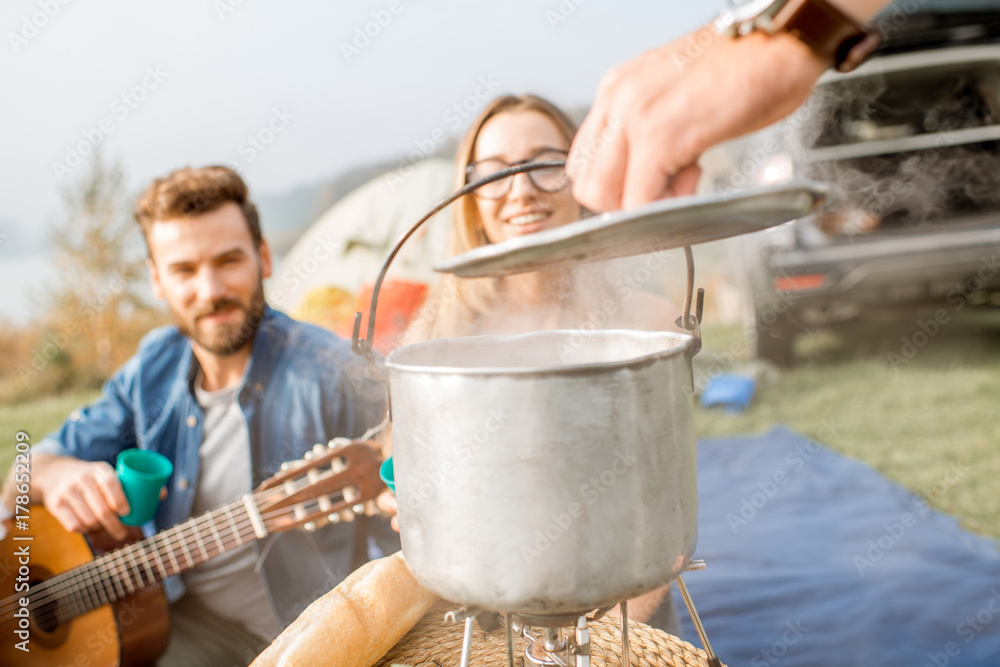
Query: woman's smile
point(528, 222)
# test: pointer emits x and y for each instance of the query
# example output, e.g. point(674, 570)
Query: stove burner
point(565, 639)
point(545, 650)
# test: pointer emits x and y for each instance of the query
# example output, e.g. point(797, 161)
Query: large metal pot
point(547, 473)
point(554, 472)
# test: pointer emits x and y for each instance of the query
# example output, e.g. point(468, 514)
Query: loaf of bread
point(356, 623)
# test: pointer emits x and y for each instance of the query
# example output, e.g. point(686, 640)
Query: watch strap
point(829, 32)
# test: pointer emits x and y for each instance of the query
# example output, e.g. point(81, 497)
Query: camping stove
point(563, 640)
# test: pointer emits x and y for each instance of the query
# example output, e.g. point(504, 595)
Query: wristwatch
point(824, 27)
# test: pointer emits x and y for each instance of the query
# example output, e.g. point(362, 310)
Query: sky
point(289, 93)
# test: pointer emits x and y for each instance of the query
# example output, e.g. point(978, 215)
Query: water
point(24, 282)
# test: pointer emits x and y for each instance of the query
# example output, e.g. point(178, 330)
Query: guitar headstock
point(331, 484)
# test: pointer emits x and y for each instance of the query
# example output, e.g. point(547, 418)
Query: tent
point(346, 246)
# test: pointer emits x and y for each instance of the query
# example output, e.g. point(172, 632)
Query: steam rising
point(616, 294)
point(926, 169)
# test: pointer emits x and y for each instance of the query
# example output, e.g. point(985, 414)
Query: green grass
point(37, 419)
point(930, 424)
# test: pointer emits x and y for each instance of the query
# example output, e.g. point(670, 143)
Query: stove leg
point(583, 643)
point(509, 632)
point(713, 660)
point(467, 641)
point(626, 661)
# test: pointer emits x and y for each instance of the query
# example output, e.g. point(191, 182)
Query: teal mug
point(387, 473)
point(142, 474)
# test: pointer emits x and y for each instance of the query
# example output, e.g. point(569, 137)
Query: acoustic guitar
point(64, 601)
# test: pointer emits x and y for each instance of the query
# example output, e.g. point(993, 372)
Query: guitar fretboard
point(142, 564)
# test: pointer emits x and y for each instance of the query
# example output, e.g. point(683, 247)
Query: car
point(910, 146)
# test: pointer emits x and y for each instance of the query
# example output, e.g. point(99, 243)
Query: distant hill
point(286, 216)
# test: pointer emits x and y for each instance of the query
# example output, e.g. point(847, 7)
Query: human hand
point(655, 115)
point(386, 502)
point(83, 496)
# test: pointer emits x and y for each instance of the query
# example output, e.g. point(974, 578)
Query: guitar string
point(92, 581)
point(87, 602)
point(83, 577)
point(90, 575)
point(81, 593)
point(78, 596)
point(96, 572)
point(85, 574)
point(78, 581)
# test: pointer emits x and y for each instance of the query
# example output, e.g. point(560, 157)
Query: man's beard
point(227, 338)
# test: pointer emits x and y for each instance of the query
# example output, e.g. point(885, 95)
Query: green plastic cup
point(387, 474)
point(142, 474)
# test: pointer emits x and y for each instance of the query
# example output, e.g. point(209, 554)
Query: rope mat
point(434, 643)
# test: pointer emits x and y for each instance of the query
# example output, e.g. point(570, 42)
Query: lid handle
point(687, 321)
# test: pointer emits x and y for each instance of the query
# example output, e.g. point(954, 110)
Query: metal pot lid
point(661, 225)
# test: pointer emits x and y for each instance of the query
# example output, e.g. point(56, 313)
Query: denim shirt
point(303, 386)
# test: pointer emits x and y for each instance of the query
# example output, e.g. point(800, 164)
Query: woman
point(512, 130)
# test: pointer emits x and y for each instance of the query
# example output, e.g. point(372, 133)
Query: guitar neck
point(124, 571)
point(330, 482)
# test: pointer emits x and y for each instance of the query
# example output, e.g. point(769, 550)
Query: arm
point(655, 115)
point(71, 471)
point(862, 10)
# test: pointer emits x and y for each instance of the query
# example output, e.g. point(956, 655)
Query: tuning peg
point(285, 466)
point(318, 449)
point(333, 518)
point(308, 456)
point(324, 503)
point(339, 442)
point(370, 508)
point(288, 487)
point(309, 526)
point(359, 508)
point(347, 515)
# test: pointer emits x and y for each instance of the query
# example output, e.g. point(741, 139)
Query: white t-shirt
point(227, 585)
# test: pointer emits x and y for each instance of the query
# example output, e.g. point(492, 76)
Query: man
point(228, 393)
point(655, 115)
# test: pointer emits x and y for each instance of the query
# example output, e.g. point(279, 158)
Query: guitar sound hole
point(46, 629)
point(45, 617)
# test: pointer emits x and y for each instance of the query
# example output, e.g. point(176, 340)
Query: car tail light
point(795, 283)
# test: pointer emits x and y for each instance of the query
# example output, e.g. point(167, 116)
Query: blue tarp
point(816, 559)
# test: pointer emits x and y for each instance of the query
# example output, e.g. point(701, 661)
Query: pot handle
point(363, 346)
point(688, 321)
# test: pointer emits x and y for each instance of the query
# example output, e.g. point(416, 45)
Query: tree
point(97, 310)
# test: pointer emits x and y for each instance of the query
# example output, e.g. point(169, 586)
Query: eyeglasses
point(551, 179)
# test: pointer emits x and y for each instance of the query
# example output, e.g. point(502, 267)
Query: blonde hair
point(453, 304)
